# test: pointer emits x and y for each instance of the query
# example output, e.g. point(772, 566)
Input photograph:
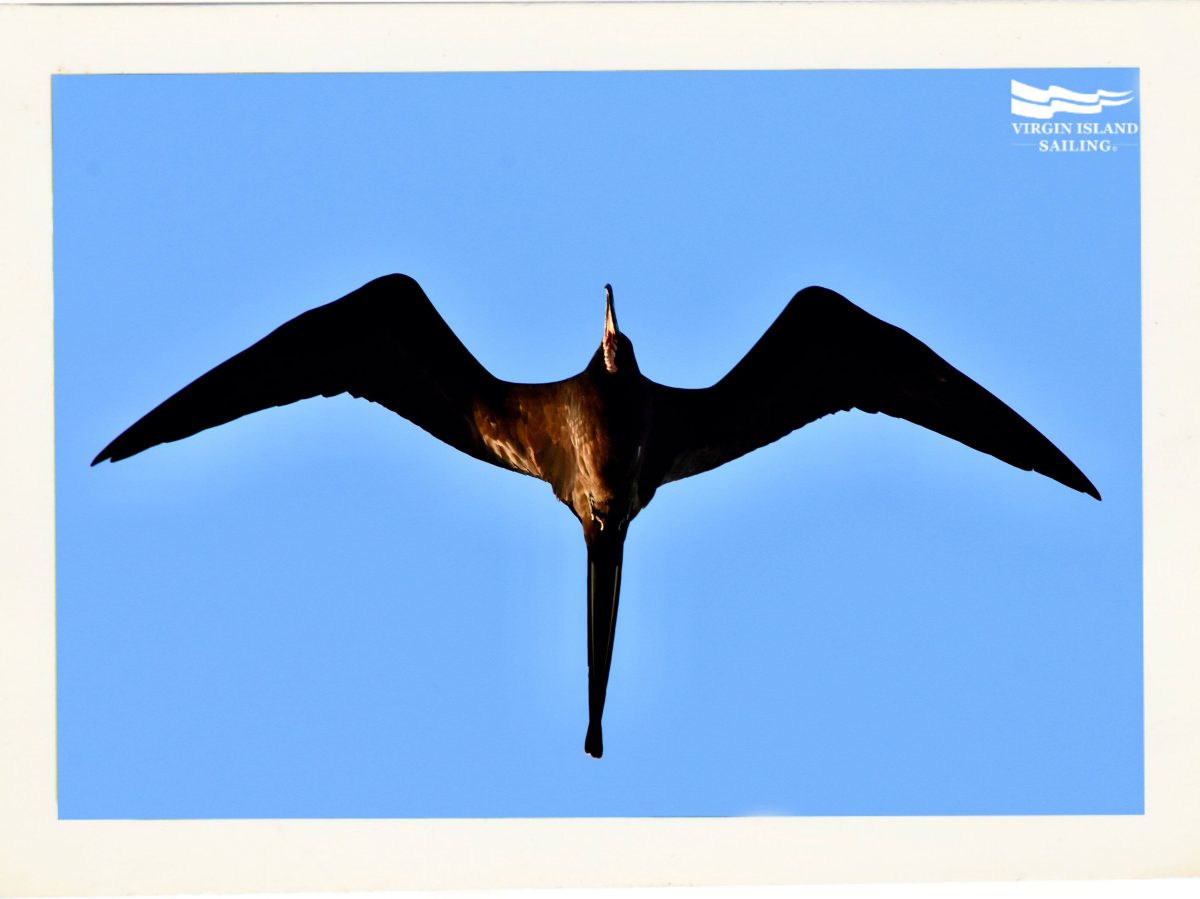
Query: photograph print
point(356, 460)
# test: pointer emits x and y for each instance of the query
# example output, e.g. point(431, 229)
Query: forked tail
point(604, 590)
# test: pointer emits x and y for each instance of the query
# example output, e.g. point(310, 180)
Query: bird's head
point(616, 350)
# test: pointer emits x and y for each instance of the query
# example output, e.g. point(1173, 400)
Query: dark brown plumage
point(606, 439)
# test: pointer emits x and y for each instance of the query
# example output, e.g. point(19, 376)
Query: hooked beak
point(610, 331)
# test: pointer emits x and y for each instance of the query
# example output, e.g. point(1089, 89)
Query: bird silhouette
point(606, 439)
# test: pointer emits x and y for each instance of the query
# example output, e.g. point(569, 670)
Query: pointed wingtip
point(116, 451)
point(1077, 480)
point(110, 453)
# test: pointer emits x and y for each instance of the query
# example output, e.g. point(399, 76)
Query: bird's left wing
point(823, 355)
point(384, 342)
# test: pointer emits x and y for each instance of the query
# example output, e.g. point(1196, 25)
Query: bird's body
point(585, 436)
point(606, 439)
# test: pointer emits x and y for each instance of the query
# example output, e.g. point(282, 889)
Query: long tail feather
point(604, 591)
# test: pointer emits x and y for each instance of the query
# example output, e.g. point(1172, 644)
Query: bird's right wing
point(823, 355)
point(384, 342)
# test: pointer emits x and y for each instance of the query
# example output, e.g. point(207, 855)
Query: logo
point(1035, 103)
point(1074, 135)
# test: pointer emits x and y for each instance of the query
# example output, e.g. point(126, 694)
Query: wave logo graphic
point(1035, 103)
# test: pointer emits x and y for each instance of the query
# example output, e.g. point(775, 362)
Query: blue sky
point(321, 611)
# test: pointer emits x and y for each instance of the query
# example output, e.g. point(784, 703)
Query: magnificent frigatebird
point(608, 438)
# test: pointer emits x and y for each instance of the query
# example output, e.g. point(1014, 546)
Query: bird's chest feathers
point(607, 438)
point(587, 445)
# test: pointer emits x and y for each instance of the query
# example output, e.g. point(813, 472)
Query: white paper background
point(41, 855)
